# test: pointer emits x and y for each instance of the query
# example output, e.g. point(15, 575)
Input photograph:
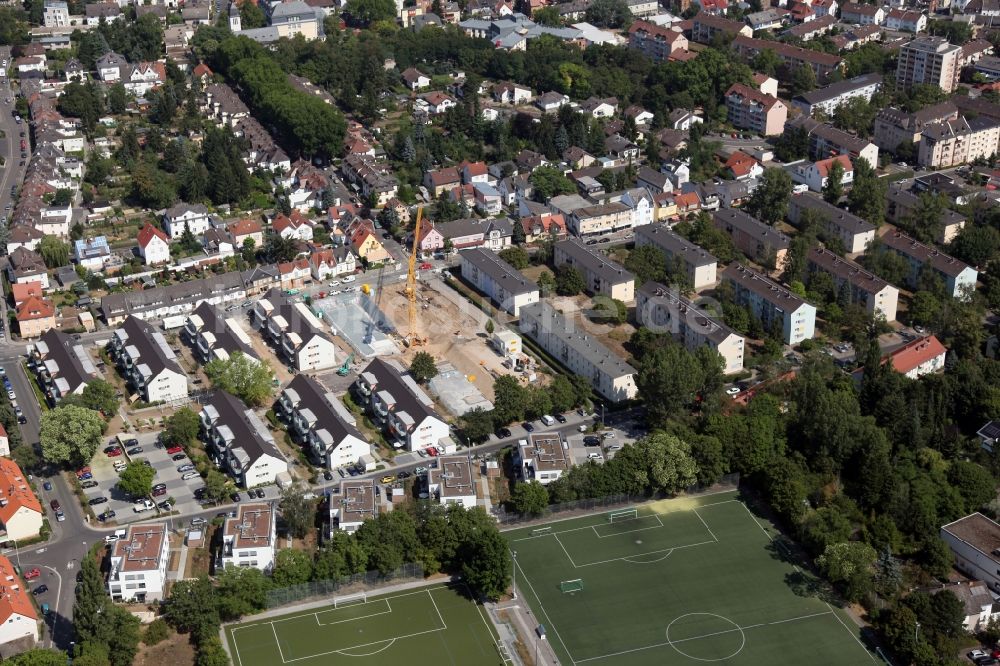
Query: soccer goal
point(541, 531)
point(575, 585)
point(350, 599)
point(624, 514)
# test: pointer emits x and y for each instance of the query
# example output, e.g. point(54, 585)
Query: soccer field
point(676, 582)
point(436, 626)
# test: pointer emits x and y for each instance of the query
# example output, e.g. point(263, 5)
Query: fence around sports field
point(564, 510)
point(362, 582)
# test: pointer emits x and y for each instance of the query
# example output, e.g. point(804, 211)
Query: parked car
point(47, 485)
point(142, 505)
point(113, 451)
point(235, 497)
point(98, 500)
point(135, 450)
point(175, 449)
point(107, 515)
point(198, 521)
point(179, 456)
point(347, 278)
point(420, 470)
point(502, 433)
point(560, 418)
point(189, 475)
point(32, 574)
point(260, 493)
point(591, 440)
point(185, 468)
point(55, 505)
point(89, 484)
point(432, 451)
point(41, 589)
point(328, 475)
point(528, 426)
point(388, 478)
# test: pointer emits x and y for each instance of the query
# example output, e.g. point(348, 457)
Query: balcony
point(288, 348)
point(191, 330)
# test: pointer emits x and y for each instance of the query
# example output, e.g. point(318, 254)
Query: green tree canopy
point(181, 427)
point(569, 281)
point(242, 376)
point(422, 367)
point(54, 251)
point(70, 435)
point(298, 513)
point(769, 202)
point(137, 480)
point(529, 499)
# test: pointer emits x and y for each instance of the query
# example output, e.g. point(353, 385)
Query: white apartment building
point(55, 14)
point(183, 216)
point(215, 336)
point(772, 304)
point(602, 275)
point(958, 277)
point(239, 442)
point(542, 457)
point(664, 310)
point(581, 353)
point(139, 564)
point(973, 542)
point(319, 419)
point(248, 539)
point(955, 142)
point(505, 285)
point(930, 60)
point(866, 289)
point(296, 331)
point(352, 504)
point(452, 481)
point(146, 361)
point(855, 233)
point(828, 98)
point(699, 265)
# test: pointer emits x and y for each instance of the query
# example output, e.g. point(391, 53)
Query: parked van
point(548, 420)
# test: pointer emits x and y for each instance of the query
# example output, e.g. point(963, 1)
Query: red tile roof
point(23, 290)
point(740, 163)
point(35, 308)
point(148, 232)
point(916, 353)
point(15, 490)
point(244, 228)
point(823, 166)
point(14, 598)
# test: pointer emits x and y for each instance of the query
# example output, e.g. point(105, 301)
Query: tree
point(101, 396)
point(490, 327)
point(476, 424)
point(973, 482)
point(516, 257)
point(91, 599)
point(833, 189)
point(529, 499)
point(252, 16)
point(245, 377)
point(769, 202)
point(117, 99)
point(648, 263)
point(277, 249)
point(298, 512)
point(669, 465)
point(137, 480)
point(510, 400)
point(546, 283)
point(216, 485)
point(867, 198)
point(70, 435)
point(608, 13)
point(422, 367)
point(366, 12)
point(192, 608)
point(291, 567)
point(14, 28)
point(669, 376)
point(211, 653)
point(487, 564)
point(569, 281)
point(181, 427)
point(54, 251)
point(850, 563)
point(976, 245)
point(39, 656)
point(241, 591)
point(766, 62)
point(549, 182)
point(792, 145)
point(609, 311)
point(802, 79)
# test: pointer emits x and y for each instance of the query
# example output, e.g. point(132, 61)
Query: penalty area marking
point(368, 654)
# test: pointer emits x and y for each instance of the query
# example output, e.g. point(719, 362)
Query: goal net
point(624, 514)
point(350, 599)
point(571, 585)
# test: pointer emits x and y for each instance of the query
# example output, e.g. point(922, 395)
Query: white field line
point(652, 552)
point(705, 524)
point(440, 617)
point(541, 607)
point(853, 634)
point(352, 619)
point(638, 529)
point(236, 647)
point(278, 643)
point(559, 541)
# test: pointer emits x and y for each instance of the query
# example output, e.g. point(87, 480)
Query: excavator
point(345, 369)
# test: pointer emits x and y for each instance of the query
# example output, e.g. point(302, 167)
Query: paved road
point(12, 172)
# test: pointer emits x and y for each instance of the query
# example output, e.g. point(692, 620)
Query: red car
point(114, 452)
point(432, 451)
point(32, 574)
point(175, 449)
point(83, 471)
point(425, 266)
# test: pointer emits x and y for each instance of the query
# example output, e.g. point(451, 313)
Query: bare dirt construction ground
point(176, 649)
point(454, 329)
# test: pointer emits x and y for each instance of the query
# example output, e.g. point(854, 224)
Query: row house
point(62, 365)
point(813, 29)
point(240, 443)
point(183, 297)
point(905, 20)
point(320, 421)
point(147, 362)
point(295, 331)
point(493, 234)
point(263, 152)
point(862, 14)
point(24, 265)
point(326, 263)
point(775, 307)
point(216, 336)
point(875, 295)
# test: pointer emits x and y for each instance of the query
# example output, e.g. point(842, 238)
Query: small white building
point(183, 216)
point(973, 541)
point(352, 504)
point(248, 539)
point(139, 564)
point(154, 246)
point(20, 511)
point(541, 457)
point(452, 481)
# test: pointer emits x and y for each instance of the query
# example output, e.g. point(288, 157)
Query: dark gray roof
point(214, 322)
point(66, 359)
point(249, 432)
point(924, 254)
point(839, 88)
point(594, 261)
point(502, 273)
point(766, 234)
point(837, 216)
point(116, 305)
point(760, 284)
point(153, 349)
point(284, 306)
point(676, 245)
point(410, 398)
point(847, 270)
point(314, 397)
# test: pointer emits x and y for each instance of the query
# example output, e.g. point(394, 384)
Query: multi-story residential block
point(452, 482)
point(154, 245)
point(400, 406)
point(182, 297)
point(601, 275)
point(248, 540)
point(862, 14)
point(664, 310)
point(139, 564)
point(829, 98)
point(505, 285)
point(319, 419)
point(55, 14)
point(215, 336)
point(24, 265)
point(656, 42)
point(958, 277)
point(894, 126)
point(826, 141)
point(816, 175)
point(581, 353)
point(929, 60)
point(193, 217)
point(973, 543)
point(296, 331)
point(352, 504)
point(699, 266)
point(705, 26)
point(21, 515)
point(817, 27)
point(823, 64)
point(905, 20)
point(541, 457)
point(918, 358)
point(35, 316)
point(772, 304)
point(758, 241)
point(849, 229)
point(375, 179)
point(959, 141)
point(902, 204)
point(18, 618)
point(864, 288)
point(493, 234)
point(147, 362)
point(63, 365)
point(239, 442)
point(747, 108)
point(601, 219)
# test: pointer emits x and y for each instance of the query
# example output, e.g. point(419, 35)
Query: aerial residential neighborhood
point(497, 332)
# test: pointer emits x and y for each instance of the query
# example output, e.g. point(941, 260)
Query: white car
point(190, 475)
point(733, 391)
point(597, 457)
point(347, 278)
point(335, 283)
point(144, 505)
point(615, 447)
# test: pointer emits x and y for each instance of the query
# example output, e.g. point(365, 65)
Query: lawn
point(435, 625)
point(677, 582)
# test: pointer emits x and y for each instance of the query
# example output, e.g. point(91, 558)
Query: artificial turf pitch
point(434, 625)
point(685, 581)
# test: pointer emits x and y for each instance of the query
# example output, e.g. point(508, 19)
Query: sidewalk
point(526, 624)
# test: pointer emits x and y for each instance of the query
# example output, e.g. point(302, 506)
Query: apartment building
point(862, 14)
point(183, 217)
point(929, 60)
point(758, 241)
point(699, 265)
point(656, 42)
point(582, 354)
point(399, 406)
point(894, 126)
point(973, 542)
point(62, 365)
point(352, 504)
point(958, 277)
point(902, 204)
point(215, 336)
point(295, 330)
point(919, 357)
point(866, 289)
point(138, 571)
point(502, 283)
point(823, 64)
point(704, 28)
point(321, 421)
point(601, 219)
point(55, 14)
point(248, 540)
point(239, 442)
point(601, 275)
point(665, 310)
point(18, 617)
point(154, 245)
point(826, 141)
point(541, 457)
point(772, 304)
point(960, 141)
point(851, 230)
point(183, 297)
point(906, 21)
point(751, 109)
point(21, 514)
point(147, 363)
point(829, 98)
point(452, 481)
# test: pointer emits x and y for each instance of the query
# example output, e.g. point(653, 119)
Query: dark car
point(107, 515)
point(98, 500)
point(591, 441)
point(41, 589)
point(89, 484)
point(131, 442)
point(560, 418)
point(528, 427)
point(260, 493)
point(135, 450)
point(179, 456)
point(235, 497)
point(403, 475)
point(47, 485)
point(54, 504)
point(503, 433)
point(328, 475)
point(165, 505)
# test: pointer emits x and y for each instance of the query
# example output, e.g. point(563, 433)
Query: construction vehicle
point(413, 338)
point(345, 369)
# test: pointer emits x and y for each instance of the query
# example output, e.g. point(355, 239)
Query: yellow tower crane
point(413, 336)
